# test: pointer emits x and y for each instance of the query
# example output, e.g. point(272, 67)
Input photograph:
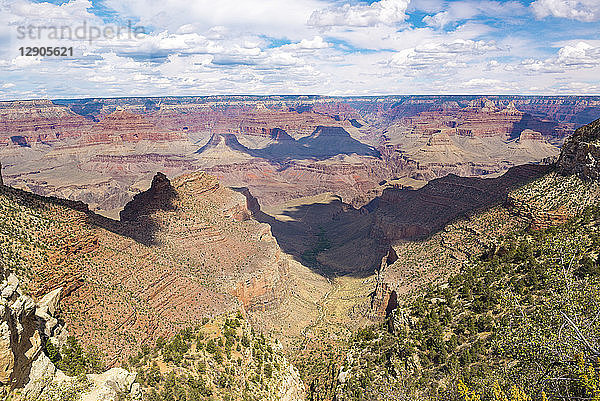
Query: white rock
point(10, 286)
point(49, 302)
point(46, 309)
point(7, 359)
point(41, 375)
point(108, 386)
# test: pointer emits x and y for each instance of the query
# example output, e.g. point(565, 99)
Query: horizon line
point(297, 96)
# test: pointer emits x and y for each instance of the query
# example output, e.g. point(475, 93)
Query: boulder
point(9, 286)
point(112, 384)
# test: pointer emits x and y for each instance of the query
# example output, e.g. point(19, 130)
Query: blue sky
point(327, 47)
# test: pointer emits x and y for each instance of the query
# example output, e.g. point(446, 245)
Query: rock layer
point(545, 202)
point(186, 249)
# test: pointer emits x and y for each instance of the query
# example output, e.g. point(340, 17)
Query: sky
point(323, 47)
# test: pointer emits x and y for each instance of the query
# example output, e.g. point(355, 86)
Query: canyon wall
point(185, 249)
point(549, 199)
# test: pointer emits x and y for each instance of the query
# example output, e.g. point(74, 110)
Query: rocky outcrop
point(539, 215)
point(48, 383)
point(383, 299)
point(23, 328)
point(159, 197)
point(581, 153)
point(530, 135)
point(25, 370)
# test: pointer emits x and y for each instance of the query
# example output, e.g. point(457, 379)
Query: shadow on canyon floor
point(333, 238)
point(323, 143)
point(318, 235)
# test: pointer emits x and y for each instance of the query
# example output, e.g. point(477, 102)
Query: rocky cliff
point(581, 153)
point(104, 151)
point(407, 214)
point(26, 372)
point(186, 249)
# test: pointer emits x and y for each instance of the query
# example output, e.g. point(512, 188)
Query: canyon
point(309, 216)
point(104, 151)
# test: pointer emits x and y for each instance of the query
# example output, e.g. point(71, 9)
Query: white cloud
point(442, 55)
point(489, 85)
point(24, 61)
point(383, 12)
point(276, 18)
point(580, 55)
point(456, 11)
point(570, 57)
point(284, 59)
point(481, 82)
point(74, 10)
point(313, 44)
point(582, 10)
point(438, 20)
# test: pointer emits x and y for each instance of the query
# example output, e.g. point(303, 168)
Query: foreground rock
point(25, 370)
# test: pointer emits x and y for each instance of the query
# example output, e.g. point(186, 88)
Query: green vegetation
point(519, 320)
point(71, 391)
point(73, 360)
point(322, 244)
point(218, 360)
point(318, 368)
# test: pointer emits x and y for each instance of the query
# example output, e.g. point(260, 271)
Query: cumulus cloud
point(488, 85)
point(69, 11)
point(581, 10)
point(309, 44)
point(580, 55)
point(23, 62)
point(571, 57)
point(450, 54)
point(383, 12)
point(277, 18)
point(438, 20)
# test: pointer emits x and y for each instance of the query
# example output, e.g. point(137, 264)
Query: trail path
point(321, 307)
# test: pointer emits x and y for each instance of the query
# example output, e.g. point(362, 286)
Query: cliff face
point(581, 153)
point(407, 214)
point(159, 197)
point(545, 202)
